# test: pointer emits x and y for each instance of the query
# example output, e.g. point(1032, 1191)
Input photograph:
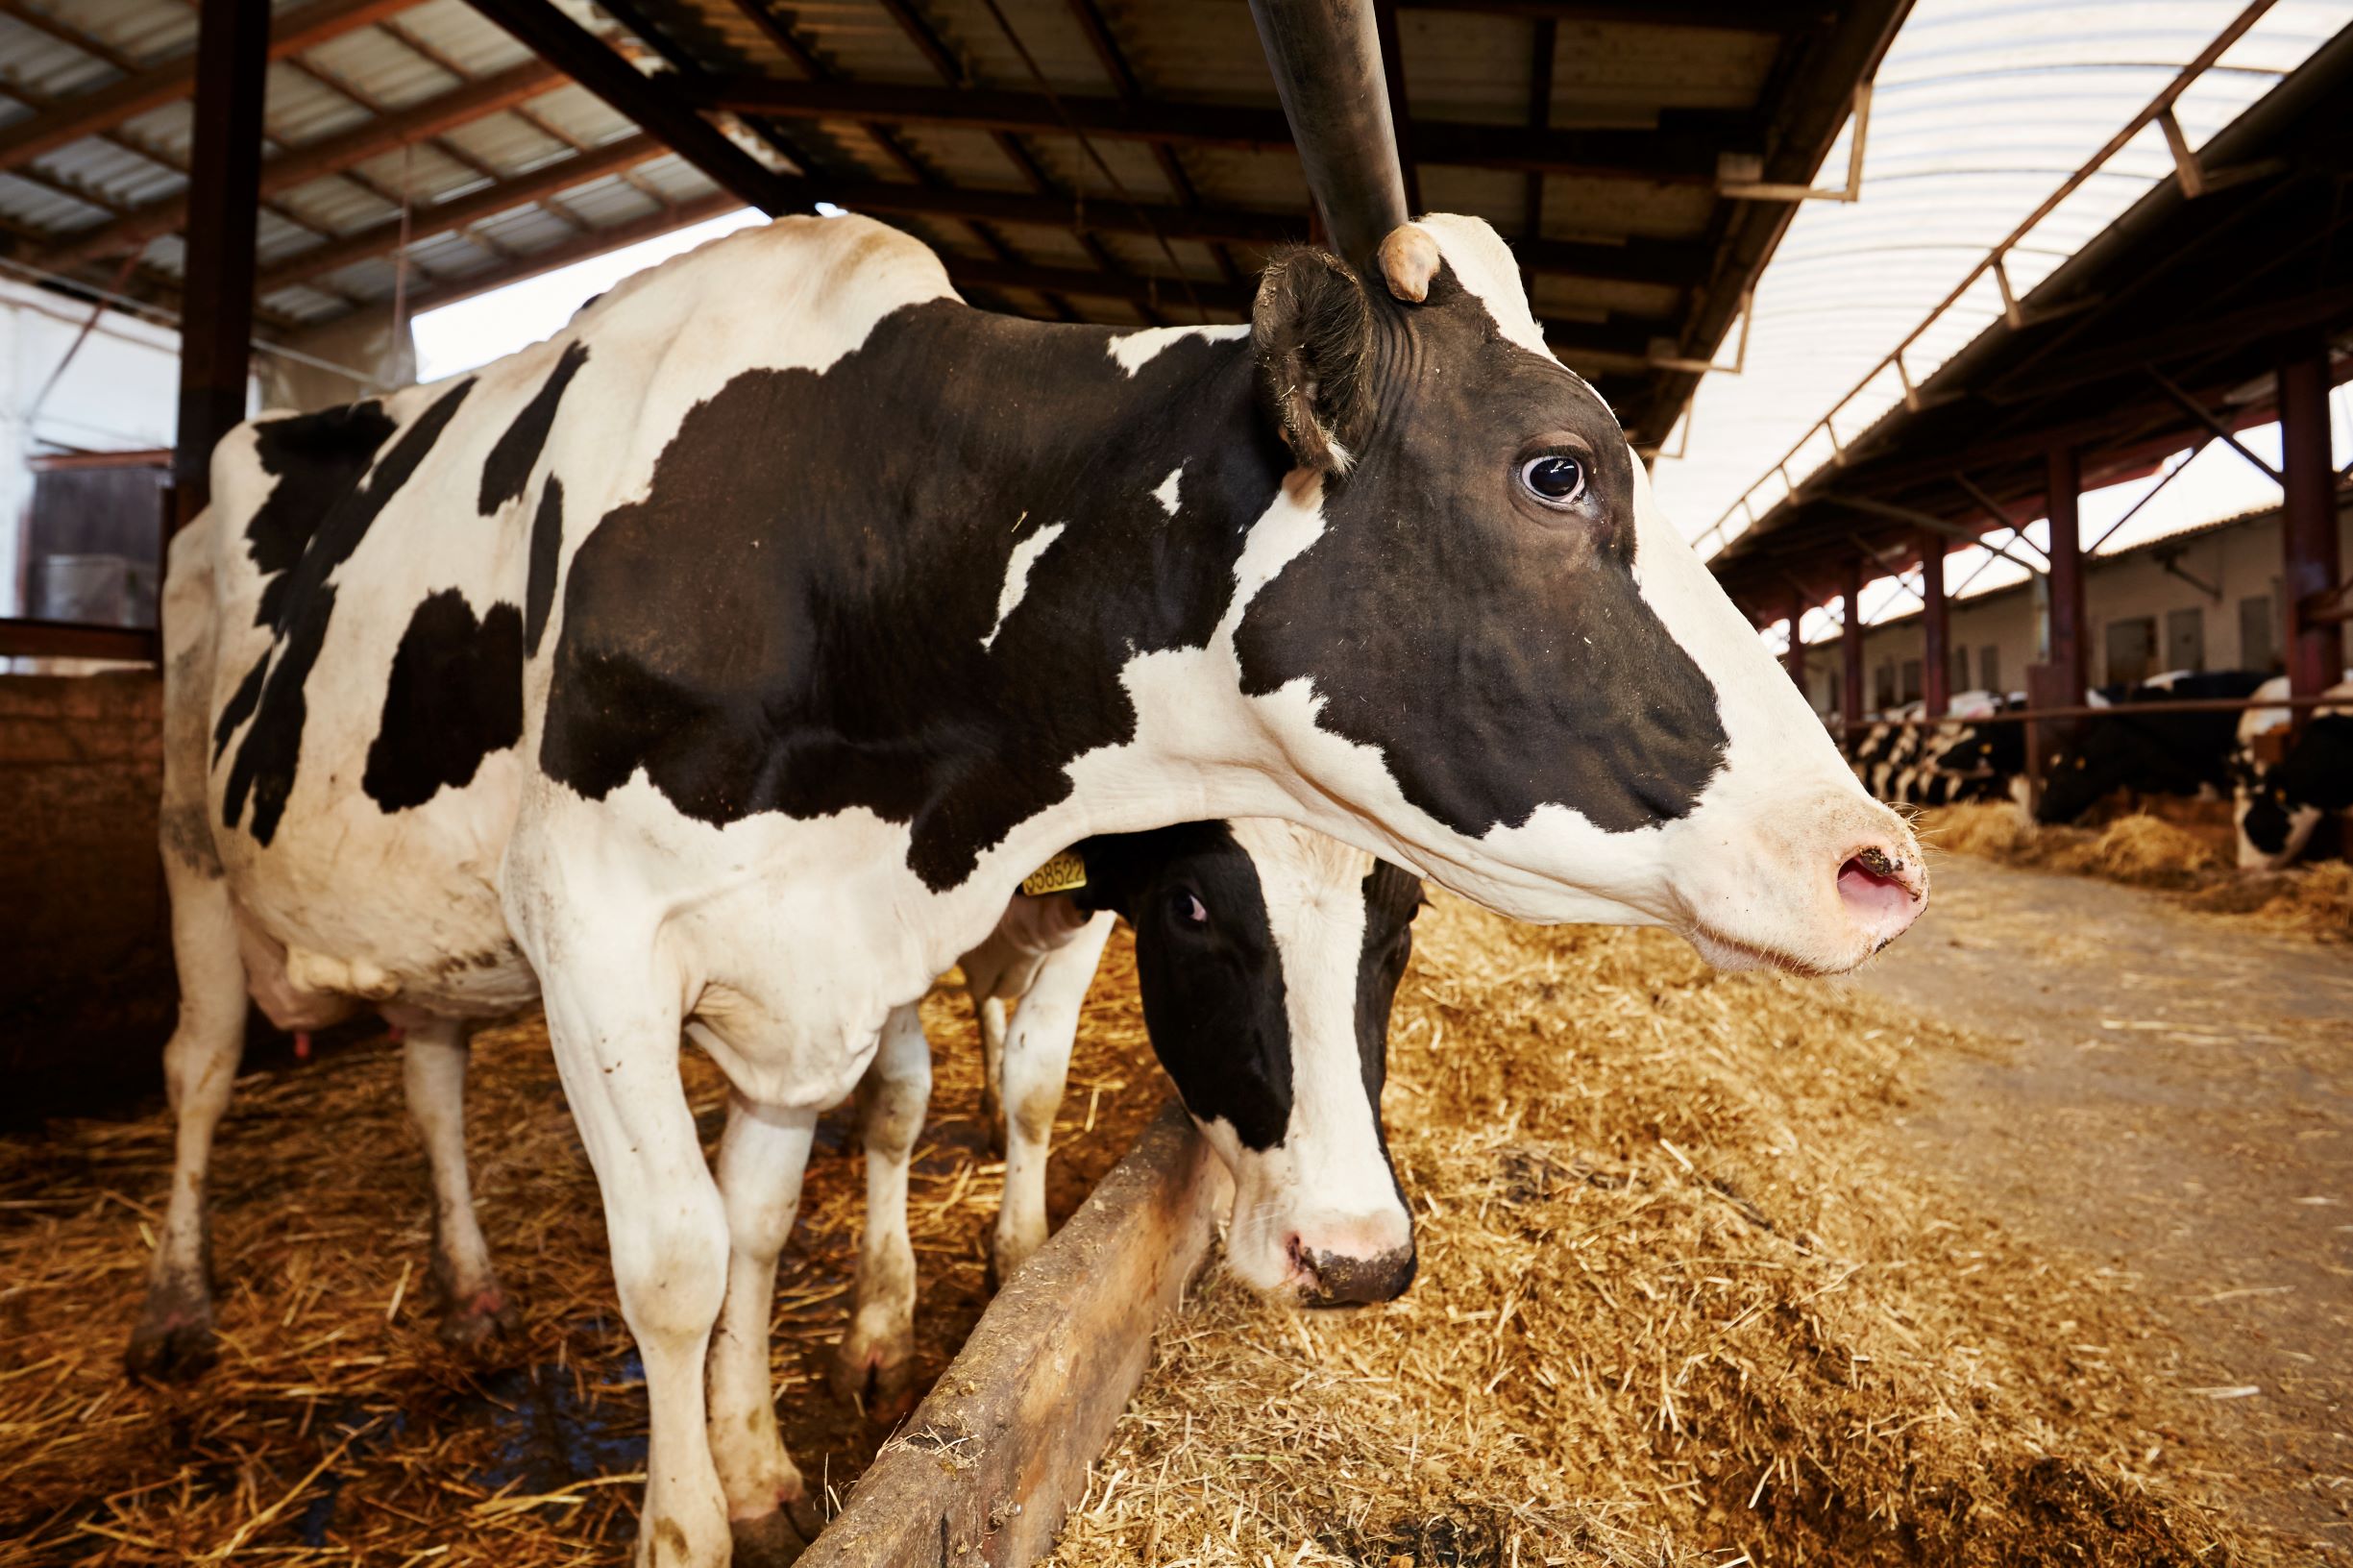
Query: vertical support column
point(2308, 524)
point(1797, 641)
point(216, 312)
point(1935, 626)
point(1850, 645)
point(2069, 647)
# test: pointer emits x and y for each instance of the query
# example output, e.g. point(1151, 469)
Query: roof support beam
point(313, 161)
point(587, 59)
point(1709, 15)
point(1682, 152)
point(92, 112)
point(232, 62)
point(2198, 411)
point(485, 203)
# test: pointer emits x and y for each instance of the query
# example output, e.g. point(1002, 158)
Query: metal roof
point(1122, 161)
point(2162, 329)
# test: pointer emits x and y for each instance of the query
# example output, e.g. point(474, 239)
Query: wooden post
point(2308, 527)
point(1935, 666)
point(216, 308)
point(1326, 59)
point(2069, 647)
point(1797, 641)
point(1850, 644)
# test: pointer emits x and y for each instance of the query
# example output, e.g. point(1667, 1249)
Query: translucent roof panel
point(1982, 109)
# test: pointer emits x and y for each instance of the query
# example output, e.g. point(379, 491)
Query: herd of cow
point(721, 669)
point(2283, 784)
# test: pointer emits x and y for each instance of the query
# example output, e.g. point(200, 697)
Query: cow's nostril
point(1340, 1280)
point(1881, 891)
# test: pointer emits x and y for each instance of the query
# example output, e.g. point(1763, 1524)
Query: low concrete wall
point(87, 993)
point(985, 1469)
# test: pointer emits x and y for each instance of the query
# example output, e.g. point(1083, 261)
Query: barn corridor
point(2178, 1101)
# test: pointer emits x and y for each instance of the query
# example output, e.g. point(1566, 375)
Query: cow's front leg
point(1036, 1065)
point(614, 1030)
point(434, 1067)
point(761, 1160)
point(876, 1365)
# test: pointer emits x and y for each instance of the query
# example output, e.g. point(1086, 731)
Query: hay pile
point(1681, 1303)
point(338, 1427)
point(2163, 852)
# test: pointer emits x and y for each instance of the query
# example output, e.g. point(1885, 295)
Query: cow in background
point(2151, 753)
point(2277, 805)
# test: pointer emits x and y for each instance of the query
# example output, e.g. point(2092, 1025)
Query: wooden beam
point(69, 640)
point(487, 202)
point(232, 62)
point(313, 161)
point(1683, 150)
point(2309, 564)
point(654, 103)
point(1708, 15)
point(1134, 288)
point(92, 112)
point(585, 247)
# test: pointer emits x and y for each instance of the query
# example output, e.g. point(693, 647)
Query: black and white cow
point(719, 667)
point(2151, 753)
point(2277, 805)
point(1268, 956)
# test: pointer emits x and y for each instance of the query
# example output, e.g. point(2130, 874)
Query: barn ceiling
point(1113, 161)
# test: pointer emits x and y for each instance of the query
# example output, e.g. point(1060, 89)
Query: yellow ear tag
point(1063, 874)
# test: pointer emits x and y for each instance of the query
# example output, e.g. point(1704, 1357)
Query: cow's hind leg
point(761, 1160)
point(433, 1059)
point(615, 1029)
point(174, 1336)
point(1037, 1066)
point(876, 1365)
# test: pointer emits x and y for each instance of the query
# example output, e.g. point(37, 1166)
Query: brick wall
point(87, 995)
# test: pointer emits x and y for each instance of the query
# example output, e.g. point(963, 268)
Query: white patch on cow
point(1313, 890)
point(1016, 575)
point(1136, 349)
point(1484, 265)
point(1167, 493)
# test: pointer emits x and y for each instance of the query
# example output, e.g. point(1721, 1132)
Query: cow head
point(1268, 956)
point(1489, 643)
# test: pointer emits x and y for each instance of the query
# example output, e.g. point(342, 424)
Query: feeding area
point(1175, 784)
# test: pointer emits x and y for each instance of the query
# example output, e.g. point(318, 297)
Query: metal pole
point(1326, 59)
point(2069, 647)
point(232, 53)
point(1935, 628)
point(1851, 643)
point(2308, 521)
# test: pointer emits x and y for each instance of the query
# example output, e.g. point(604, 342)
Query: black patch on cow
point(1441, 623)
point(263, 768)
point(508, 469)
point(789, 621)
point(547, 548)
point(1392, 897)
point(2315, 775)
point(240, 705)
point(455, 697)
point(817, 646)
point(1213, 992)
point(315, 458)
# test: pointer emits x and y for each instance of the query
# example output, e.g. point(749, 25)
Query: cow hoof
point(476, 1322)
point(171, 1347)
point(774, 1541)
point(877, 1375)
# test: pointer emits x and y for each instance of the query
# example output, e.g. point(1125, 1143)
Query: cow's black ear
point(1109, 876)
point(1312, 329)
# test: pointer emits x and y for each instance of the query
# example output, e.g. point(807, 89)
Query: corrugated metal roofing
point(1982, 109)
point(1460, 66)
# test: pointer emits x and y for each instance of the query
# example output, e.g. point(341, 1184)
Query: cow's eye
point(1186, 908)
point(1556, 478)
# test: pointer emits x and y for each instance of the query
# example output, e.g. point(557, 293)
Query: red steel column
point(1797, 638)
point(1851, 643)
point(216, 307)
point(2308, 528)
point(1935, 657)
point(2069, 649)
